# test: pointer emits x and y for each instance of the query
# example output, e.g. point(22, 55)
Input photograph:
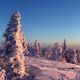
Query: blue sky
point(45, 20)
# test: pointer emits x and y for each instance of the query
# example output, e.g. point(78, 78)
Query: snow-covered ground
point(45, 69)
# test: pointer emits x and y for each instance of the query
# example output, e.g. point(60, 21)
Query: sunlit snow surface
point(54, 70)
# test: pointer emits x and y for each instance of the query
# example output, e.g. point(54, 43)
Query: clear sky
point(44, 20)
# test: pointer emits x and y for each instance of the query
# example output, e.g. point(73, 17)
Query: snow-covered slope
point(45, 69)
